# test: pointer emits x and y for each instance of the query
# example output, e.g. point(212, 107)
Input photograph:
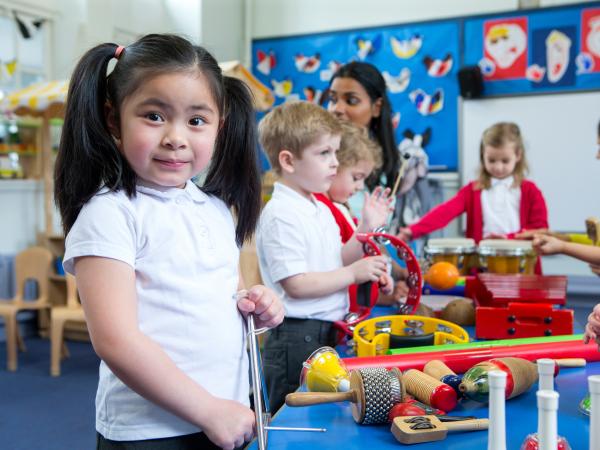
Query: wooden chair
point(31, 264)
point(72, 312)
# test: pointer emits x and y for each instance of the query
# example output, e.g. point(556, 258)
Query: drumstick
point(403, 165)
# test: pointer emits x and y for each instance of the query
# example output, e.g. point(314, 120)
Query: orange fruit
point(442, 275)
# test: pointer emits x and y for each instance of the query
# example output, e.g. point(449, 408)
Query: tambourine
point(376, 336)
point(414, 281)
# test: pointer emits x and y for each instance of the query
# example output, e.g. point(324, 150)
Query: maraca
point(324, 371)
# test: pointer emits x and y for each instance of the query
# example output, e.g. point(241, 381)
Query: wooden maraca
point(521, 375)
point(429, 390)
point(373, 392)
point(440, 371)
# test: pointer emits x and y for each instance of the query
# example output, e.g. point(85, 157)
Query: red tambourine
point(414, 281)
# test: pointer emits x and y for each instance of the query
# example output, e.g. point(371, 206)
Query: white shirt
point(501, 205)
point(297, 235)
point(181, 243)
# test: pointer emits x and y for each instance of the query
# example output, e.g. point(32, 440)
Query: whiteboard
point(560, 135)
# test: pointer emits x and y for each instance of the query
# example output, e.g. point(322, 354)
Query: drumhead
point(505, 247)
point(437, 246)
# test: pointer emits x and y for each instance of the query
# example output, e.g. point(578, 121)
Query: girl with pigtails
point(155, 256)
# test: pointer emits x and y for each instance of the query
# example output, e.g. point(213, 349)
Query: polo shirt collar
point(292, 197)
point(507, 182)
point(191, 190)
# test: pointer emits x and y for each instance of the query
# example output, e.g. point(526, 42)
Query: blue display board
point(419, 62)
point(541, 51)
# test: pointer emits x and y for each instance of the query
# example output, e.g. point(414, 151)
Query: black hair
point(89, 159)
point(380, 127)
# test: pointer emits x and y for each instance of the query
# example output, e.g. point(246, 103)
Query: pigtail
point(233, 175)
point(87, 157)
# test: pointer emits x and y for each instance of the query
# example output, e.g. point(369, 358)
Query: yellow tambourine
point(376, 336)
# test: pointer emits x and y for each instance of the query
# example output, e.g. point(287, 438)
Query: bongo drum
point(506, 256)
point(461, 252)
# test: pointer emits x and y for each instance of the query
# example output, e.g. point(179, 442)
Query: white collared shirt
point(181, 244)
point(297, 235)
point(501, 205)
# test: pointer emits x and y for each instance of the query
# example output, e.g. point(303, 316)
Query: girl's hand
point(495, 236)
point(376, 209)
point(529, 234)
point(371, 268)
point(405, 234)
point(400, 292)
point(229, 424)
point(547, 245)
point(264, 303)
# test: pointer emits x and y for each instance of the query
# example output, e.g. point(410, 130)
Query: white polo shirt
point(500, 205)
point(181, 243)
point(296, 235)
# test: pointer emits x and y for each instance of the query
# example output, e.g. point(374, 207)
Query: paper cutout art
point(406, 48)
point(427, 104)
point(332, 68)
point(535, 73)
point(590, 40)
point(366, 47)
point(558, 46)
point(505, 45)
point(282, 88)
point(397, 84)
point(307, 64)
point(438, 67)
point(266, 61)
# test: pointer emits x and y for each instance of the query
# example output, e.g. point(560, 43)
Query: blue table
point(521, 419)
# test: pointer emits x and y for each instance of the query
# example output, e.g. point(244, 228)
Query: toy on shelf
point(373, 392)
point(377, 335)
point(521, 375)
point(417, 429)
point(324, 371)
point(442, 275)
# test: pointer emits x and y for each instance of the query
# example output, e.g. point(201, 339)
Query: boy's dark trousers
point(286, 348)
point(196, 441)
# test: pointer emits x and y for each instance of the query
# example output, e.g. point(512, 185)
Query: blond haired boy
point(299, 248)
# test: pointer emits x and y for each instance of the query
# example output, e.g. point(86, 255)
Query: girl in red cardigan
point(358, 156)
point(501, 202)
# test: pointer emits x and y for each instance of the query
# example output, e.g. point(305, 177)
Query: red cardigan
point(533, 212)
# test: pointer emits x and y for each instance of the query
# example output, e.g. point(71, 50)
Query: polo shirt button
point(179, 200)
point(307, 338)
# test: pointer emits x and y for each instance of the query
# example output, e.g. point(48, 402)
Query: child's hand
point(547, 245)
point(229, 424)
point(592, 329)
point(400, 292)
point(596, 269)
point(529, 234)
point(264, 303)
point(371, 268)
point(376, 209)
point(405, 234)
point(495, 236)
point(386, 284)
